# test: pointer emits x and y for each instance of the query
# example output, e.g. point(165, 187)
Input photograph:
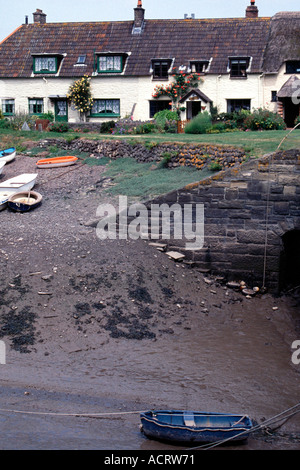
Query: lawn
point(257, 143)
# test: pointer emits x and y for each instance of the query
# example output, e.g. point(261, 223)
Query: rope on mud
point(78, 415)
point(284, 415)
point(62, 174)
point(269, 421)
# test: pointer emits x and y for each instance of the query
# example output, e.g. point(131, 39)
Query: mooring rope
point(284, 415)
point(62, 174)
point(78, 415)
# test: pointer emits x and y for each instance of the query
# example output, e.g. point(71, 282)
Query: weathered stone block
point(251, 236)
point(281, 207)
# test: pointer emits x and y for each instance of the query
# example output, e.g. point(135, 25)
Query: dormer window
point(238, 67)
point(46, 64)
point(160, 68)
point(199, 66)
point(110, 63)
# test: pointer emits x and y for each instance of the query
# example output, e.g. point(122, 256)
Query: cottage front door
point(193, 109)
point(61, 111)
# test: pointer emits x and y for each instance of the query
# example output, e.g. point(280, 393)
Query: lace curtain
point(106, 107)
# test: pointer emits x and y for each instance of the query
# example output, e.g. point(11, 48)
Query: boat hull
point(8, 155)
point(24, 201)
point(20, 183)
point(2, 165)
point(194, 427)
point(56, 162)
point(23, 182)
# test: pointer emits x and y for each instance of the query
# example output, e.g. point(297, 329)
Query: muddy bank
point(115, 326)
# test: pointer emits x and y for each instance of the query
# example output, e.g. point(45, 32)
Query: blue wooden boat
point(24, 201)
point(7, 155)
point(192, 427)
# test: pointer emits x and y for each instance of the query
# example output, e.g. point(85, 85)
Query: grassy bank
point(145, 180)
point(255, 142)
point(142, 181)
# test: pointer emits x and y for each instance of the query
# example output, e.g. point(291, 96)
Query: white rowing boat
point(24, 182)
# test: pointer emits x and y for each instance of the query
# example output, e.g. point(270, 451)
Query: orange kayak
point(56, 162)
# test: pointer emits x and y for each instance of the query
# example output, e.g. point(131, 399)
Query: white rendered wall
point(136, 92)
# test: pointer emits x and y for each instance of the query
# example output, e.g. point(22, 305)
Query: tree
point(80, 95)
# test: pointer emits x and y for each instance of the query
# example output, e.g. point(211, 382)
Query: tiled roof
point(182, 40)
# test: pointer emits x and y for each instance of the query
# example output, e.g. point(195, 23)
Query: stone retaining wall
point(240, 207)
point(172, 154)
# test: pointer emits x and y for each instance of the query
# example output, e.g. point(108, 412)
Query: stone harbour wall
point(241, 206)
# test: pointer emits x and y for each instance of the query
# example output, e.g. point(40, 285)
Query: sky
point(13, 13)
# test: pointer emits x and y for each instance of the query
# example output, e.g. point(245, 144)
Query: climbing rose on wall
point(80, 95)
point(182, 83)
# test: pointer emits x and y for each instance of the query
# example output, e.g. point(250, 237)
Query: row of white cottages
point(248, 62)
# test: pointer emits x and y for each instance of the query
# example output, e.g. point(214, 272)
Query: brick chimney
point(139, 15)
point(39, 16)
point(252, 10)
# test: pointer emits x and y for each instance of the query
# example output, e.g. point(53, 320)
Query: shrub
point(49, 115)
point(233, 120)
point(5, 123)
point(58, 127)
point(19, 119)
point(171, 126)
point(262, 119)
point(215, 166)
point(80, 94)
point(128, 126)
point(164, 116)
point(107, 127)
point(219, 127)
point(166, 157)
point(146, 128)
point(199, 125)
point(297, 121)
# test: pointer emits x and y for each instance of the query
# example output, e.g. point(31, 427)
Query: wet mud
point(115, 327)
